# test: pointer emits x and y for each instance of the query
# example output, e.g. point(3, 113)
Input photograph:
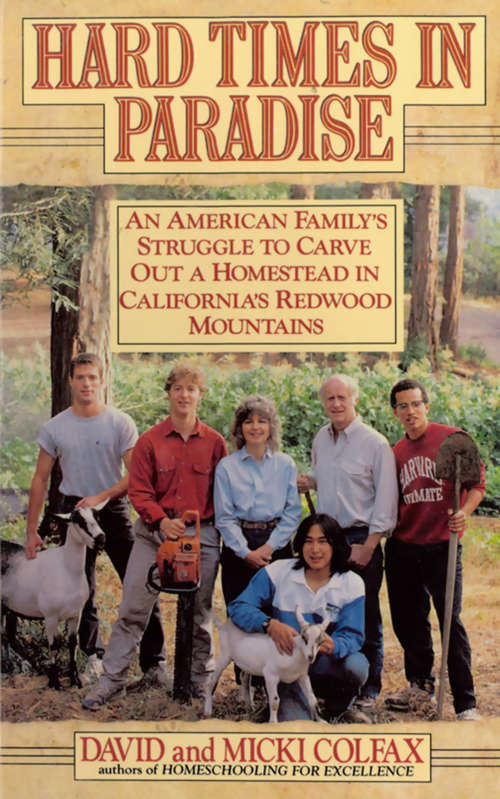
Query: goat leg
point(273, 696)
point(248, 689)
point(306, 688)
point(9, 622)
point(74, 679)
point(51, 629)
point(53, 671)
point(220, 665)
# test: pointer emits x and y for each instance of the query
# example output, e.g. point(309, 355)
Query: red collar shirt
point(169, 475)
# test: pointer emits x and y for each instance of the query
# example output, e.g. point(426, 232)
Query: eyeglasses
point(403, 406)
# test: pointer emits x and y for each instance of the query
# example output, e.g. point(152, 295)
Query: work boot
point(419, 696)
point(157, 677)
point(100, 694)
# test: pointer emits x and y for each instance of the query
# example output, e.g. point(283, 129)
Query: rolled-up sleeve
point(384, 515)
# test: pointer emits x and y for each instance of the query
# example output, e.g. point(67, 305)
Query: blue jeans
point(335, 681)
point(373, 647)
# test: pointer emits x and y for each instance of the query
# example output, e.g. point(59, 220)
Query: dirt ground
point(27, 697)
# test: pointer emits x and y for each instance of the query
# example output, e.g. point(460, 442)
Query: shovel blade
point(460, 444)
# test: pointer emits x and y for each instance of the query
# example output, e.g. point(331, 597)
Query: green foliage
point(43, 236)
point(26, 395)
point(481, 545)
point(474, 354)
point(417, 350)
point(265, 191)
point(482, 259)
point(17, 463)
point(14, 530)
point(490, 506)
point(138, 381)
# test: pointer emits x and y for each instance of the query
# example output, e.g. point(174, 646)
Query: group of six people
point(365, 492)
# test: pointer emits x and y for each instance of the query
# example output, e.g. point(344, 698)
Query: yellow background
point(206, 73)
point(478, 165)
point(345, 328)
point(424, 163)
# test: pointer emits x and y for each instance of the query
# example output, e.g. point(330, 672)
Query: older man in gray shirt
point(354, 474)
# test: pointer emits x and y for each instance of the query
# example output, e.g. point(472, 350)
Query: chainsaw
point(177, 563)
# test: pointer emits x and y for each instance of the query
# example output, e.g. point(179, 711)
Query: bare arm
point(38, 492)
point(117, 490)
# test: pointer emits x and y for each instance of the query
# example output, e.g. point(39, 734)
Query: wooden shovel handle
point(450, 589)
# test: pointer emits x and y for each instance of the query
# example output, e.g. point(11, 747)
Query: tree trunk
point(375, 191)
point(422, 322)
point(83, 330)
point(93, 323)
point(454, 270)
point(299, 192)
point(63, 335)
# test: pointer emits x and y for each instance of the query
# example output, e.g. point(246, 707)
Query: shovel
point(458, 461)
point(310, 503)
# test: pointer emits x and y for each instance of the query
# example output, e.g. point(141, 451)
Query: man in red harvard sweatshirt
point(416, 555)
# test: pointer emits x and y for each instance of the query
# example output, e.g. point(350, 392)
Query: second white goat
point(256, 653)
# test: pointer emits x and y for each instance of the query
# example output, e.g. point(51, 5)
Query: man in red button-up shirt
point(172, 470)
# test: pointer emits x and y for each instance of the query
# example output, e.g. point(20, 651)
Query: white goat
point(256, 653)
point(52, 586)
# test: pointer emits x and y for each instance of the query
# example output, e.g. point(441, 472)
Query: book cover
point(152, 110)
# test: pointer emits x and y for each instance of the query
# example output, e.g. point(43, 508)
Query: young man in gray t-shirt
point(92, 442)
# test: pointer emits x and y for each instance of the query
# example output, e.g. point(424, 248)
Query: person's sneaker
point(157, 677)
point(100, 694)
point(471, 714)
point(93, 670)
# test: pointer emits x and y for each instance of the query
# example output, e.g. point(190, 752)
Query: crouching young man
point(417, 554)
point(172, 470)
point(320, 583)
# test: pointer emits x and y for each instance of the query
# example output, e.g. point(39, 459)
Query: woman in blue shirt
point(257, 506)
point(319, 582)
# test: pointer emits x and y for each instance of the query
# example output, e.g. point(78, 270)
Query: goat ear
point(65, 516)
point(300, 617)
point(325, 623)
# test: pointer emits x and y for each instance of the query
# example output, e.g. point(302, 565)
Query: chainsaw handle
point(194, 513)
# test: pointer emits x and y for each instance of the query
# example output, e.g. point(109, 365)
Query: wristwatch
point(265, 625)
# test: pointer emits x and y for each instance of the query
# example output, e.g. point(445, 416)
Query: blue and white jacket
point(277, 589)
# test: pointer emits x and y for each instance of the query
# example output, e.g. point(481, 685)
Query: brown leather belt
point(270, 525)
